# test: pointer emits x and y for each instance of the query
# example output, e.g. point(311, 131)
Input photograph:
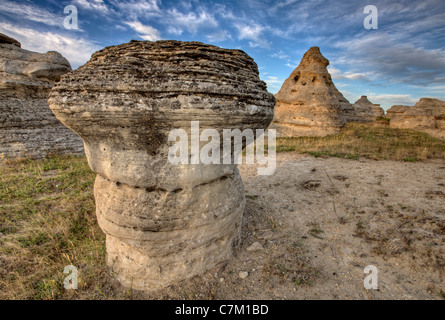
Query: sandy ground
point(311, 228)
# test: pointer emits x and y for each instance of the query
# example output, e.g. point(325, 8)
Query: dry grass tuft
point(47, 221)
point(370, 141)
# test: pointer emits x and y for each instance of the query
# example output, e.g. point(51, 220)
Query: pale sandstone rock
point(308, 103)
point(396, 110)
point(163, 222)
point(366, 111)
point(27, 125)
point(425, 114)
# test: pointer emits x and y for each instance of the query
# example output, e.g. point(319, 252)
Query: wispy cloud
point(191, 21)
point(137, 8)
point(98, 5)
point(283, 56)
point(144, 31)
point(405, 56)
point(220, 35)
point(76, 50)
point(253, 32)
point(392, 99)
point(339, 75)
point(30, 12)
point(394, 61)
point(273, 83)
point(280, 55)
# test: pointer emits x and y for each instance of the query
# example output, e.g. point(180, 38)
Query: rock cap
point(8, 40)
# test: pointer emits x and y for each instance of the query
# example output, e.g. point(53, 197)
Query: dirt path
point(312, 227)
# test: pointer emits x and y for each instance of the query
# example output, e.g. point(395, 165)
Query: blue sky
point(398, 63)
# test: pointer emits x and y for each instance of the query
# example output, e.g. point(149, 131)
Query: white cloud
point(144, 31)
point(273, 83)
point(136, 9)
point(218, 36)
point(225, 13)
point(393, 59)
point(119, 27)
point(283, 56)
point(253, 32)
point(274, 80)
point(339, 75)
point(31, 12)
point(92, 5)
point(282, 4)
point(140, 8)
point(76, 50)
point(440, 88)
point(190, 21)
point(342, 85)
point(389, 100)
point(280, 55)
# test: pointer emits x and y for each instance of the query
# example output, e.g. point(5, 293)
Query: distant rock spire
point(308, 103)
point(366, 111)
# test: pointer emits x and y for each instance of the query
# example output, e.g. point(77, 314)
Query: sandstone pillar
point(164, 222)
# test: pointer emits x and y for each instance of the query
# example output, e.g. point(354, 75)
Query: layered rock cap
point(27, 126)
point(8, 40)
point(164, 222)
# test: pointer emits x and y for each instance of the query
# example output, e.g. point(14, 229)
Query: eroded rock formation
point(366, 111)
point(163, 222)
point(8, 40)
point(27, 125)
point(308, 103)
point(396, 110)
point(426, 115)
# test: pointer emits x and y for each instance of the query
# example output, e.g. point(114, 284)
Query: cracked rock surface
point(164, 222)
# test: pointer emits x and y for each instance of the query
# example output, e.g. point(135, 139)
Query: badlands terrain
point(353, 186)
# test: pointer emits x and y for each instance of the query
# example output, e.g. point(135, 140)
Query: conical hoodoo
point(308, 103)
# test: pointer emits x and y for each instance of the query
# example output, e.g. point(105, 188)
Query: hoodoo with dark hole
point(308, 103)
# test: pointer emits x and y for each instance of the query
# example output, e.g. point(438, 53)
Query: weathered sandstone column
point(164, 222)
